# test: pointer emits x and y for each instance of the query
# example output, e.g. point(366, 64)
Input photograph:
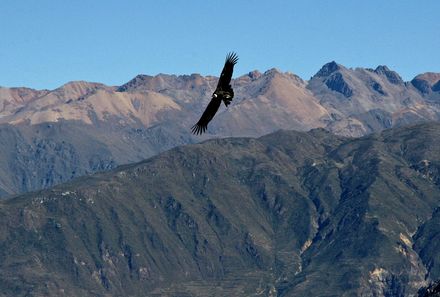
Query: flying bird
point(223, 92)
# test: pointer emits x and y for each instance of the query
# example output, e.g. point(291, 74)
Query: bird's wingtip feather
point(198, 129)
point(232, 57)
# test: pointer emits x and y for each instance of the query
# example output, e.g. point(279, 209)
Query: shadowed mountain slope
point(287, 214)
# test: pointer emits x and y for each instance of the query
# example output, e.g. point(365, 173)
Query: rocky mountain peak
point(254, 74)
point(427, 82)
point(431, 77)
point(328, 69)
point(80, 86)
point(272, 72)
point(77, 89)
point(382, 69)
point(161, 82)
point(140, 79)
point(20, 95)
point(391, 75)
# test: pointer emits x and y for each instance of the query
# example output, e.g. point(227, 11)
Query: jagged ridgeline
point(287, 214)
point(51, 136)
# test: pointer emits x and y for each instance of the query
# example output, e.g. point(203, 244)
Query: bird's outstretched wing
point(226, 75)
point(223, 92)
point(207, 116)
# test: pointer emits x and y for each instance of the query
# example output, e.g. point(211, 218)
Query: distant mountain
point(12, 99)
point(51, 136)
point(287, 214)
point(427, 82)
point(362, 100)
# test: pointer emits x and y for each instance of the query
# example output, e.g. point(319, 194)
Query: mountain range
point(286, 214)
point(51, 136)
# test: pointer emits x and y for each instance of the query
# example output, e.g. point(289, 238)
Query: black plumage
point(223, 92)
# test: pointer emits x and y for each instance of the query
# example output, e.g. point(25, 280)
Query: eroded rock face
point(422, 85)
point(436, 87)
point(337, 83)
point(378, 87)
point(392, 76)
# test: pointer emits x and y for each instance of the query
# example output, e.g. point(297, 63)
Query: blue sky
point(46, 43)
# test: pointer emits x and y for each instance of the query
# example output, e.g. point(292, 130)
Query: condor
point(223, 92)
